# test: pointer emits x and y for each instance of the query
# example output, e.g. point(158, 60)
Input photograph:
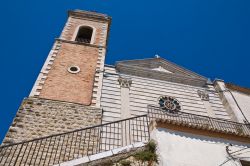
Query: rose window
point(169, 103)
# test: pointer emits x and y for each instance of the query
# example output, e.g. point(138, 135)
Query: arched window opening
point(84, 34)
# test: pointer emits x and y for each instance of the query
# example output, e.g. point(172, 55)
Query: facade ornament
point(157, 56)
point(125, 82)
point(169, 104)
point(203, 94)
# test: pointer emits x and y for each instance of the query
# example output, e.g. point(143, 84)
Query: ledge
point(80, 43)
point(196, 130)
point(153, 74)
point(89, 15)
point(197, 124)
point(96, 159)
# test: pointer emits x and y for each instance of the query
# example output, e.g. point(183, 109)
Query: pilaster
point(204, 95)
point(125, 84)
point(228, 101)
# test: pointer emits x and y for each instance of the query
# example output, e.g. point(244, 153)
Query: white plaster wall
point(244, 103)
point(183, 149)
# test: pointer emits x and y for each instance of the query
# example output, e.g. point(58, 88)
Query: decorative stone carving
point(203, 95)
point(124, 82)
point(170, 104)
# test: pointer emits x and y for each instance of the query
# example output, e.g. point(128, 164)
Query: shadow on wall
point(202, 138)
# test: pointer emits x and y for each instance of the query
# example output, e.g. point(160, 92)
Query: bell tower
point(66, 94)
point(71, 72)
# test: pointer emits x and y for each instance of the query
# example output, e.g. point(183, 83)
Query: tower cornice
point(79, 43)
point(81, 14)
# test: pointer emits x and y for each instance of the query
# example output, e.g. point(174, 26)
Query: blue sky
point(210, 37)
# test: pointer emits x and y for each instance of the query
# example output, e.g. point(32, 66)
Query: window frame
point(92, 41)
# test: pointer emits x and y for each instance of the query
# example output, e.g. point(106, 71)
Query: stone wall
point(41, 117)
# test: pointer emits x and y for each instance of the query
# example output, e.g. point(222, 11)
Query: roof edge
point(238, 88)
point(89, 14)
point(178, 67)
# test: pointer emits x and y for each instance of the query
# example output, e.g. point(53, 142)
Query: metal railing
point(200, 122)
point(63, 147)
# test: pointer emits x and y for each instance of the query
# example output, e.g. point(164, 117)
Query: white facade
point(211, 100)
point(243, 101)
point(184, 149)
point(144, 91)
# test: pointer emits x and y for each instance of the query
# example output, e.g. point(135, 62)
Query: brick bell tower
point(66, 94)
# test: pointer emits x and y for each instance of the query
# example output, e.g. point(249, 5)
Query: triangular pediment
point(158, 68)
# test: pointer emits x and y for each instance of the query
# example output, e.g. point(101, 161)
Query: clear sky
point(210, 37)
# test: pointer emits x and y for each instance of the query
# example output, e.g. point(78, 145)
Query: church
point(82, 111)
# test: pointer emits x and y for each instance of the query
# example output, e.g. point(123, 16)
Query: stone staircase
point(77, 144)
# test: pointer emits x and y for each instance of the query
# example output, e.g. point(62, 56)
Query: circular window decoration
point(74, 69)
point(169, 103)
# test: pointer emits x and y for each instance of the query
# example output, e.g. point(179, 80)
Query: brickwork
point(45, 69)
point(55, 82)
point(39, 117)
point(72, 25)
point(65, 86)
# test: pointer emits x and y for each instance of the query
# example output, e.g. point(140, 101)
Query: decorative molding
point(37, 87)
point(89, 15)
point(66, 28)
point(206, 130)
point(169, 103)
point(96, 96)
point(203, 94)
point(238, 88)
point(160, 68)
point(79, 43)
point(74, 69)
point(228, 101)
point(165, 76)
point(125, 82)
point(151, 63)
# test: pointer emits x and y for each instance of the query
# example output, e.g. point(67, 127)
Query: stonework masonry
point(38, 117)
